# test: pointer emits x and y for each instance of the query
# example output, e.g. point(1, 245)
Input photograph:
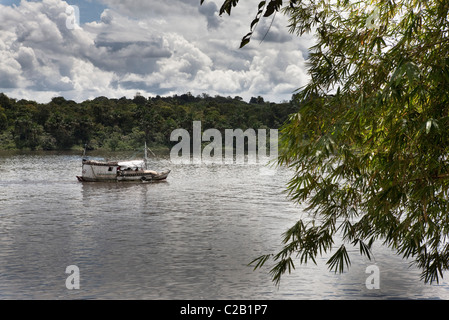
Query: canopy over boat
point(133, 164)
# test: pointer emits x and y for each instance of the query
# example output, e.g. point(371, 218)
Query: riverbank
point(7, 144)
point(79, 150)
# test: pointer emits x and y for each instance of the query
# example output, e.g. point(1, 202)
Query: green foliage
point(369, 145)
point(125, 124)
point(3, 119)
point(26, 134)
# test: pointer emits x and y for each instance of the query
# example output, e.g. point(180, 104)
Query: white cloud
point(152, 47)
point(9, 70)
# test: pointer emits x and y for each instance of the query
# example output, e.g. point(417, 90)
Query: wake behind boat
point(132, 170)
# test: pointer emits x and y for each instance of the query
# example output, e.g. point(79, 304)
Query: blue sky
point(146, 46)
point(89, 10)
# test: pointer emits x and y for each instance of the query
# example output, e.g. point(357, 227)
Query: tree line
point(124, 123)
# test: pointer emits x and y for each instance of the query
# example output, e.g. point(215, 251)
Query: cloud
point(273, 30)
point(210, 11)
point(10, 70)
point(148, 46)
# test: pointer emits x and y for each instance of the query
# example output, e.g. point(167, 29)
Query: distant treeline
point(125, 124)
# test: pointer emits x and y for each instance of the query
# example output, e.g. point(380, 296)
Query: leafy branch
point(264, 9)
point(367, 144)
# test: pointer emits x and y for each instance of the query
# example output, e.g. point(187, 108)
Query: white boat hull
point(143, 176)
point(97, 171)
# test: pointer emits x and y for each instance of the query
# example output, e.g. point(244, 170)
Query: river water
point(190, 237)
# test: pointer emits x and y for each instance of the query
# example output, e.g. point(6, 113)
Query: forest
point(125, 124)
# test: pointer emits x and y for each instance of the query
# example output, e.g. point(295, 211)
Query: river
point(190, 237)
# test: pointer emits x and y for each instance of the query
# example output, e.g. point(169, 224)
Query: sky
point(121, 48)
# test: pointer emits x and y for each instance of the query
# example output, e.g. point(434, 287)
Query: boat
point(131, 170)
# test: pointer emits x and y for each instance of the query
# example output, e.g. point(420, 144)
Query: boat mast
point(84, 152)
point(146, 156)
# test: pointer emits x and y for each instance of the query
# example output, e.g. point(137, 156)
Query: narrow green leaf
point(254, 22)
point(339, 260)
point(245, 40)
point(428, 126)
point(260, 261)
